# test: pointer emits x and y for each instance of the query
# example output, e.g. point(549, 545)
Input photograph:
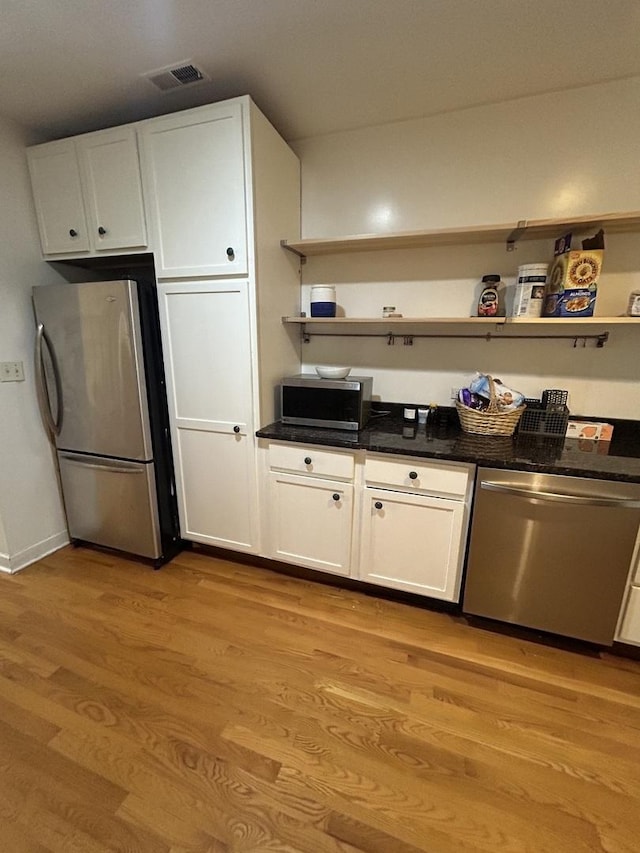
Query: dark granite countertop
point(618, 459)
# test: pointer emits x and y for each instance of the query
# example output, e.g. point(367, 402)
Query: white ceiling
point(313, 66)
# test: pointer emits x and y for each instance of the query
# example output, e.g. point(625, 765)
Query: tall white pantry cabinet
point(220, 188)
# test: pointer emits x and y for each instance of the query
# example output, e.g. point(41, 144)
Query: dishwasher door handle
point(576, 500)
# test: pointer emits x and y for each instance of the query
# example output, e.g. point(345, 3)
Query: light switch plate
point(11, 371)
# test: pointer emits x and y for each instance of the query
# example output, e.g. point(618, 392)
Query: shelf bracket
point(300, 255)
point(516, 234)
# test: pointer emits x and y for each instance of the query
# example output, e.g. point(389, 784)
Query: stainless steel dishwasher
point(551, 552)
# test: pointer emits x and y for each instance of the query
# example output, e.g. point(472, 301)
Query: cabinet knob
point(102, 231)
point(413, 475)
point(378, 505)
point(73, 232)
point(336, 496)
point(307, 460)
point(230, 253)
point(236, 429)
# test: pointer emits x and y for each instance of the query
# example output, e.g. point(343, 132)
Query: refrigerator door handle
point(535, 495)
point(108, 465)
point(53, 424)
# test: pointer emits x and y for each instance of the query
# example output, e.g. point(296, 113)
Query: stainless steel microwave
point(307, 400)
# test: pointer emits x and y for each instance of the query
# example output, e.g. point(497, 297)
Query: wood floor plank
point(218, 707)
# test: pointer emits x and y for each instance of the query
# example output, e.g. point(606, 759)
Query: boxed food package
point(572, 284)
point(530, 290)
point(594, 430)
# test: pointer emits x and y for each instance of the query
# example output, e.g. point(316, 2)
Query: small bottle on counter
point(432, 417)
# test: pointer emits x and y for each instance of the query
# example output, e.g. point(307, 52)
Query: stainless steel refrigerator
point(101, 393)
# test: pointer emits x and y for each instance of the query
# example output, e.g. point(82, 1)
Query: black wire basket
point(539, 420)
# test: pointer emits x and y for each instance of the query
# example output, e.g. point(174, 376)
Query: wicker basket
point(491, 421)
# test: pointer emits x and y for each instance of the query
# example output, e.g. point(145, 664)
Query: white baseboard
point(14, 562)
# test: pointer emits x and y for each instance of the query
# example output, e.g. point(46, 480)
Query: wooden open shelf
point(490, 328)
point(536, 229)
point(472, 321)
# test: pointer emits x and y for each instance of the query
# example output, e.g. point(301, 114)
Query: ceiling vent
point(176, 76)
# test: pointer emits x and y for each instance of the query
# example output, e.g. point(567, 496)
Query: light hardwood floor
point(213, 706)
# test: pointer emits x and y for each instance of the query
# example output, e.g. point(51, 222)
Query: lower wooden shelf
point(581, 329)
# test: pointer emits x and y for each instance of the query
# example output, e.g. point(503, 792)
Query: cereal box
point(572, 284)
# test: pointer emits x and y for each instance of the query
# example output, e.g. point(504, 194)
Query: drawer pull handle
point(378, 505)
point(230, 253)
point(307, 460)
point(73, 232)
point(413, 475)
point(336, 496)
point(236, 429)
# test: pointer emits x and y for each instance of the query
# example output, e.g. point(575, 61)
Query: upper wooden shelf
point(474, 321)
point(536, 229)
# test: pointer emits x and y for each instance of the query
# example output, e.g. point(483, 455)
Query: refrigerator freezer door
point(111, 502)
point(93, 332)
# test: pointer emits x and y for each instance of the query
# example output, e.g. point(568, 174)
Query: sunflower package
point(572, 281)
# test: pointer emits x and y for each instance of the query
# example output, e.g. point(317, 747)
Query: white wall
point(561, 155)
point(31, 518)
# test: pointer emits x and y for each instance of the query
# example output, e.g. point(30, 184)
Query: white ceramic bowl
point(327, 372)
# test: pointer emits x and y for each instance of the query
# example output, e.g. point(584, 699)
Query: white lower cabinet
point(630, 625)
point(629, 622)
point(310, 522)
point(399, 522)
point(415, 515)
point(413, 542)
point(215, 475)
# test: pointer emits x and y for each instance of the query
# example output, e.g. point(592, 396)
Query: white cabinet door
point(630, 627)
point(208, 363)
point(113, 189)
point(412, 542)
point(193, 172)
point(57, 190)
point(310, 522)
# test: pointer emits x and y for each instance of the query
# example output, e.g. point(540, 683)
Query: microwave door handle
point(44, 403)
point(576, 500)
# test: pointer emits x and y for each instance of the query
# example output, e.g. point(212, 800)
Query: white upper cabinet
point(88, 194)
point(57, 190)
point(113, 190)
point(193, 167)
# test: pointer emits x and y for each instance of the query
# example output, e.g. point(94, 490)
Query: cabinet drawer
point(413, 475)
point(311, 460)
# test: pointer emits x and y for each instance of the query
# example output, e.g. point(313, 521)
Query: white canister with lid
point(323, 300)
point(530, 287)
